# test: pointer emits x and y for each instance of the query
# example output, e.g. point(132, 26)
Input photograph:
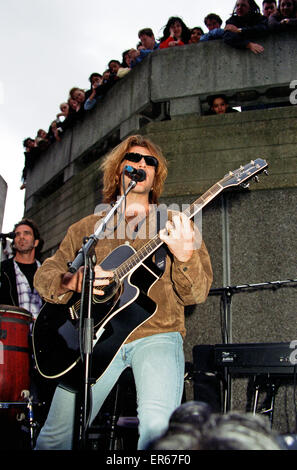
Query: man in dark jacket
point(245, 25)
point(17, 273)
point(17, 290)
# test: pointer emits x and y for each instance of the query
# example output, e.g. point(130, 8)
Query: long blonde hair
point(111, 167)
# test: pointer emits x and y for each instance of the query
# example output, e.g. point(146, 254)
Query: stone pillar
point(3, 192)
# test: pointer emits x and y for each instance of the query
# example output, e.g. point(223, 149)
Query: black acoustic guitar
point(125, 305)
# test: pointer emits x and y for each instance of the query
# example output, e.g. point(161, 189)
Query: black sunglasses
point(136, 157)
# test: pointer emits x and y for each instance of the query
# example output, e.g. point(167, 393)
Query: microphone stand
point(86, 256)
point(3, 237)
point(2, 240)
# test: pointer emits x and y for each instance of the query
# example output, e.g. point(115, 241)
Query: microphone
point(134, 174)
point(8, 235)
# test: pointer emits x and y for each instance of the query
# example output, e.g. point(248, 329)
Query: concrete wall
point(250, 234)
point(196, 161)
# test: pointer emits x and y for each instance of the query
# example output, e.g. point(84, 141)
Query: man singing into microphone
point(154, 350)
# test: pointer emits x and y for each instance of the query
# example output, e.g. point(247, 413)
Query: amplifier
point(257, 358)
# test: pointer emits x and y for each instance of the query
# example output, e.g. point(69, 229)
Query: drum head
point(14, 309)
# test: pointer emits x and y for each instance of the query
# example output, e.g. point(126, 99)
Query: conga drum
point(14, 354)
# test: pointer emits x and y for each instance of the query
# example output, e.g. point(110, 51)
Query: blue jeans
point(157, 363)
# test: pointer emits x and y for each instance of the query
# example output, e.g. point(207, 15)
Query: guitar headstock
point(244, 174)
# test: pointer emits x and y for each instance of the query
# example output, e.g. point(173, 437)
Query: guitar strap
point(160, 255)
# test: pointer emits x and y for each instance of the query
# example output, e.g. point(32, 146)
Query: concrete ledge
point(185, 105)
point(210, 67)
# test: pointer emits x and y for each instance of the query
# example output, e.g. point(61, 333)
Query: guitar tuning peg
point(266, 172)
point(257, 179)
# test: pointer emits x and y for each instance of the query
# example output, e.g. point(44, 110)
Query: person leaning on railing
point(245, 25)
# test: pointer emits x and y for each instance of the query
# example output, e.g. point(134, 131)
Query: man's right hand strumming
point(73, 282)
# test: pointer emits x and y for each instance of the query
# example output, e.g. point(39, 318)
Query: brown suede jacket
point(181, 283)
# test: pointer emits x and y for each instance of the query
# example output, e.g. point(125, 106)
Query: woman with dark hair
point(286, 16)
point(196, 34)
point(245, 24)
point(175, 33)
point(253, 8)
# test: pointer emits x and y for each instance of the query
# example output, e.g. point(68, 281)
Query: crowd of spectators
point(242, 30)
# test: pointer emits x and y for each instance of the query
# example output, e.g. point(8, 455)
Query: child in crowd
point(196, 34)
point(218, 104)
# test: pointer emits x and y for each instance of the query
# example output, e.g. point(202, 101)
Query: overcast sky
point(49, 46)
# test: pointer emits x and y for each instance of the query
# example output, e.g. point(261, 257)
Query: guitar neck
point(203, 200)
point(152, 245)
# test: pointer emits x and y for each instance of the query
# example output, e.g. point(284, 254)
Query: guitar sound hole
point(109, 291)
